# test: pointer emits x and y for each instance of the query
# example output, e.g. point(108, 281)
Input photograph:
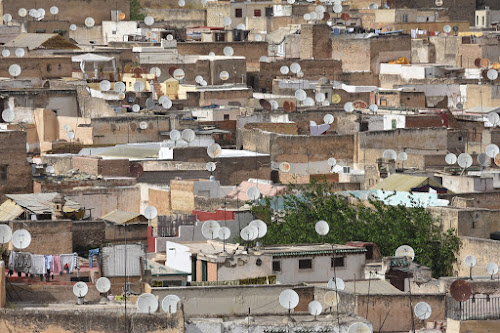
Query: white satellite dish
point(227, 21)
point(139, 86)
point(331, 298)
point(214, 150)
point(373, 108)
point(491, 268)
point(284, 70)
point(337, 8)
point(423, 310)
point(308, 101)
point(170, 37)
point(211, 54)
point(14, 70)
point(336, 283)
point(198, 79)
point(169, 303)
point(175, 135)
point(210, 229)
point(89, 22)
point(274, 104)
point(483, 159)
point(284, 167)
point(210, 166)
point(50, 169)
point(179, 74)
point(136, 108)
point(105, 85)
point(315, 308)
point(247, 234)
point(492, 74)
point(8, 115)
point(228, 51)
point(181, 3)
point(5, 53)
point(464, 160)
point(405, 251)
point(322, 227)
point(313, 16)
point(320, 97)
point(493, 118)
point(402, 156)
point(80, 289)
point(22, 12)
point(332, 162)
point(261, 227)
point(67, 128)
point(70, 135)
point(224, 233)
point(5, 233)
point(289, 299)
point(300, 94)
point(167, 103)
point(492, 150)
point(470, 261)
point(149, 20)
point(224, 75)
point(147, 303)
point(258, 38)
point(155, 71)
point(295, 68)
point(150, 212)
point(349, 107)
point(390, 154)
point(253, 193)
point(72, 27)
point(203, 83)
point(290, 2)
point(103, 285)
point(450, 158)
point(143, 125)
point(447, 29)
point(7, 18)
point(359, 327)
point(241, 26)
point(150, 104)
point(119, 87)
point(41, 13)
point(307, 17)
point(188, 135)
point(54, 10)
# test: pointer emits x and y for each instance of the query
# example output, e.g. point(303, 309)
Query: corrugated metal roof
point(10, 211)
point(113, 260)
point(122, 217)
point(39, 203)
point(404, 183)
point(33, 41)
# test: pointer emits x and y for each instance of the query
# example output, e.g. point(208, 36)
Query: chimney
point(57, 208)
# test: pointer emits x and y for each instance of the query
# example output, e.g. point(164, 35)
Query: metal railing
point(476, 308)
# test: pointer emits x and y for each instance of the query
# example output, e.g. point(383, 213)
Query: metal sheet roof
point(404, 183)
point(123, 217)
point(39, 203)
point(33, 41)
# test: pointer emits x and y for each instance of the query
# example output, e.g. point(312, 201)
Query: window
point(220, 37)
point(257, 13)
point(483, 20)
point(3, 173)
point(477, 20)
point(338, 262)
point(238, 12)
point(226, 117)
point(405, 18)
point(305, 263)
point(269, 11)
point(276, 266)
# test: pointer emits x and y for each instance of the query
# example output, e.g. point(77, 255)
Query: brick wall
point(114, 168)
point(315, 41)
point(13, 152)
point(283, 128)
point(47, 237)
point(87, 234)
point(42, 66)
point(182, 196)
point(424, 121)
point(86, 164)
point(116, 130)
point(161, 200)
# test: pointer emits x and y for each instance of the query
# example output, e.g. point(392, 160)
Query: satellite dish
point(300, 94)
point(307, 16)
point(54, 10)
point(423, 310)
point(188, 135)
point(253, 193)
point(147, 303)
point(332, 161)
point(258, 38)
point(464, 160)
point(155, 71)
point(336, 99)
point(175, 135)
point(460, 290)
point(450, 158)
point(240, 26)
point(284, 70)
point(227, 21)
point(337, 8)
point(150, 104)
point(447, 29)
point(492, 74)
point(228, 51)
point(373, 108)
point(8, 115)
point(119, 87)
point(402, 156)
point(320, 9)
point(136, 108)
point(181, 3)
point(289, 299)
point(198, 79)
point(211, 54)
point(491, 267)
point(105, 85)
point(89, 22)
point(349, 107)
point(315, 308)
point(170, 37)
point(210, 166)
point(274, 104)
point(169, 303)
point(210, 229)
point(67, 128)
point(373, 6)
point(50, 169)
point(438, 3)
point(330, 298)
point(7, 18)
point(249, 233)
point(179, 74)
point(261, 227)
point(295, 68)
point(22, 12)
point(20, 52)
point(284, 167)
point(203, 83)
point(224, 75)
point(5, 53)
point(14, 70)
point(320, 97)
point(139, 86)
point(492, 150)
point(308, 101)
point(224, 233)
point(143, 125)
point(149, 20)
point(291, 2)
point(336, 283)
point(390, 154)
point(359, 327)
point(214, 150)
point(167, 103)
point(493, 118)
point(5, 233)
point(483, 159)
point(80, 289)
point(103, 285)
point(313, 16)
point(470, 261)
point(70, 135)
point(72, 27)
point(150, 212)
point(405, 251)
point(322, 227)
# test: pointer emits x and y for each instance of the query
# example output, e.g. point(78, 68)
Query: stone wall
point(17, 176)
point(46, 67)
point(485, 251)
point(99, 167)
point(116, 130)
point(88, 234)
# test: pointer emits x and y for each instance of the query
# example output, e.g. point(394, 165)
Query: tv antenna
point(198, 79)
point(227, 21)
point(470, 261)
point(80, 289)
point(72, 27)
point(147, 303)
point(169, 304)
point(483, 159)
point(5, 233)
point(491, 268)
point(181, 3)
point(274, 104)
point(308, 101)
point(89, 22)
point(337, 8)
point(21, 239)
point(210, 229)
point(373, 108)
point(150, 104)
point(155, 71)
point(289, 299)
point(373, 6)
point(143, 125)
point(166, 103)
point(22, 12)
point(405, 251)
point(332, 162)
point(403, 156)
point(315, 308)
point(492, 74)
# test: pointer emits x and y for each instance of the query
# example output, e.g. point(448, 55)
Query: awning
point(91, 57)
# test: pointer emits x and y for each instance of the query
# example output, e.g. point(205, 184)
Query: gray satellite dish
point(247, 234)
point(423, 310)
point(483, 159)
point(450, 158)
point(103, 285)
point(261, 227)
point(300, 94)
point(224, 75)
point(70, 135)
point(5, 53)
point(175, 135)
point(315, 308)
point(139, 86)
point(359, 327)
point(308, 101)
point(337, 8)
point(54, 10)
point(89, 22)
point(150, 104)
point(289, 299)
point(319, 97)
point(464, 160)
point(211, 54)
point(20, 52)
point(284, 167)
point(147, 303)
point(167, 103)
point(492, 74)
point(402, 156)
point(470, 261)
point(228, 51)
point(331, 298)
point(307, 17)
point(258, 38)
point(336, 283)
point(5, 233)
point(491, 268)
point(373, 6)
point(313, 16)
point(105, 85)
point(181, 3)
point(322, 227)
point(67, 128)
point(332, 162)
point(8, 115)
point(170, 37)
point(136, 108)
point(253, 193)
point(290, 2)
point(143, 125)
point(50, 169)
point(188, 135)
point(348, 107)
point(295, 68)
point(493, 118)
point(390, 154)
point(447, 29)
point(274, 104)
point(224, 233)
point(155, 71)
point(241, 26)
point(214, 150)
point(80, 289)
point(210, 229)
point(210, 166)
point(284, 70)
point(227, 21)
point(7, 18)
point(169, 303)
point(14, 70)
point(373, 108)
point(198, 79)
point(179, 74)
point(405, 251)
point(22, 12)
point(150, 212)
point(120, 87)
point(149, 20)
point(72, 27)
point(492, 150)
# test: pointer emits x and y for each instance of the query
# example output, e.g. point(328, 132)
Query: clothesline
point(39, 264)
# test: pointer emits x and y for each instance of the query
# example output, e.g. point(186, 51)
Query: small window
point(477, 20)
point(338, 262)
point(276, 266)
point(269, 11)
point(3, 173)
point(257, 13)
point(226, 117)
point(238, 12)
point(460, 138)
point(483, 20)
point(305, 263)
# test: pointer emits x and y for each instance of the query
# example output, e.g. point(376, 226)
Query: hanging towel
point(67, 262)
point(92, 253)
point(23, 262)
point(48, 262)
point(56, 264)
point(12, 259)
point(37, 264)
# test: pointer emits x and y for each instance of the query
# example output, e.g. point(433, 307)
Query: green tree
point(372, 221)
point(136, 13)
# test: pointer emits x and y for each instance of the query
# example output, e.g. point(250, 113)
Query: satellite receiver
point(67, 128)
point(320, 97)
point(300, 94)
point(181, 3)
point(470, 261)
point(336, 283)
point(105, 85)
point(295, 68)
point(136, 108)
point(240, 26)
point(167, 103)
point(54, 10)
point(492, 150)
point(253, 193)
point(483, 159)
point(461, 291)
point(315, 308)
point(143, 125)
point(447, 29)
point(139, 86)
point(332, 162)
point(258, 38)
point(464, 160)
point(274, 104)
point(349, 107)
point(284, 167)
point(423, 310)
point(50, 169)
point(224, 75)
point(80, 289)
point(289, 299)
point(119, 87)
point(228, 51)
point(227, 21)
point(336, 98)
point(307, 17)
point(337, 8)
point(103, 285)
point(405, 251)
point(155, 71)
point(491, 267)
point(331, 299)
point(72, 27)
point(210, 229)
point(188, 135)
point(22, 12)
point(149, 20)
point(210, 166)
point(390, 154)
point(373, 6)
point(450, 158)
point(70, 135)
point(214, 150)
point(308, 101)
point(198, 79)
point(150, 104)
point(359, 327)
point(5, 53)
point(147, 303)
point(321, 228)
point(175, 135)
point(5, 233)
point(403, 156)
point(169, 303)
point(179, 74)
point(261, 227)
point(492, 74)
point(150, 212)
point(14, 70)
point(21, 239)
point(89, 22)
point(7, 18)
point(224, 234)
point(20, 52)
point(493, 118)
point(8, 115)
point(373, 108)
point(284, 70)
